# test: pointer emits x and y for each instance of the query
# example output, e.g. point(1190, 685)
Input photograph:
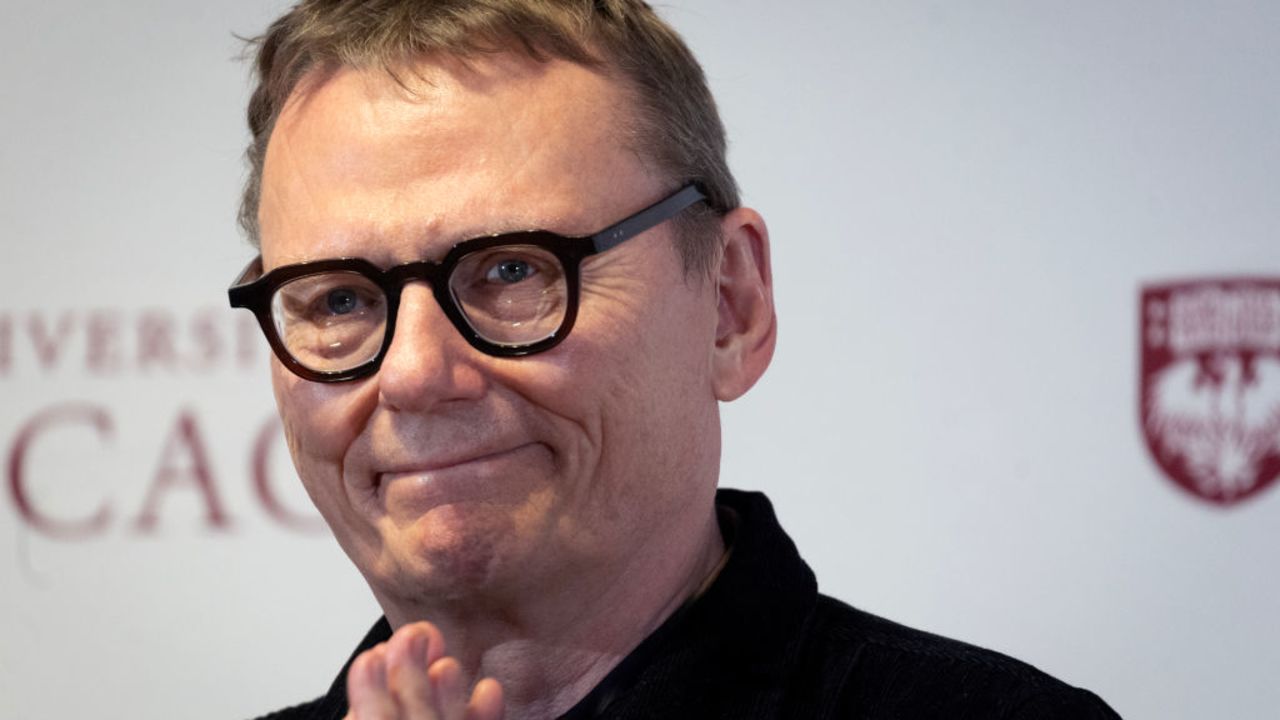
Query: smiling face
point(450, 473)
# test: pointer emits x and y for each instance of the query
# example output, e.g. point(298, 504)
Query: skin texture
point(543, 513)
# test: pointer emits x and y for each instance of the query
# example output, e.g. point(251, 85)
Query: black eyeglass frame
point(255, 295)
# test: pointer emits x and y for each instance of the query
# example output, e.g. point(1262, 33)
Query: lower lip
point(483, 479)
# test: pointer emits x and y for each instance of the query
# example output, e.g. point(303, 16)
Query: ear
point(746, 327)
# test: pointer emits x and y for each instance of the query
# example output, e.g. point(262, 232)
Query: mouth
point(451, 462)
point(474, 476)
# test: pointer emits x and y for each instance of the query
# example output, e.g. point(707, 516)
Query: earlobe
point(746, 327)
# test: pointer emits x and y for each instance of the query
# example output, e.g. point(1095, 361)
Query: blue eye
point(342, 301)
point(510, 271)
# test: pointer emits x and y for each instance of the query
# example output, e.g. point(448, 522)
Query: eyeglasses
point(508, 295)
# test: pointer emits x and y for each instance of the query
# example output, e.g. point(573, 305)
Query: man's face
point(450, 473)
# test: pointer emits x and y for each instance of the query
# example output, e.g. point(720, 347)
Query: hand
point(409, 678)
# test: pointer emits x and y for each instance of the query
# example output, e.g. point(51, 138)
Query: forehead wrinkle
point(376, 194)
point(505, 101)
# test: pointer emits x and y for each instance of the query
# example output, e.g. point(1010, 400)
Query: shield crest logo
point(1210, 391)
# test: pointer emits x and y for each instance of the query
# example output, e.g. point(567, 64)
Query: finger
point(435, 640)
point(368, 696)
point(407, 662)
point(447, 689)
point(486, 701)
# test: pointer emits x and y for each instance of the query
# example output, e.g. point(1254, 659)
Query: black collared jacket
point(762, 642)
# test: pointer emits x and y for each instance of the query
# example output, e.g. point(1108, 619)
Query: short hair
point(673, 122)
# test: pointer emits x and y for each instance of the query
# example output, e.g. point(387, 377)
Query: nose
point(428, 362)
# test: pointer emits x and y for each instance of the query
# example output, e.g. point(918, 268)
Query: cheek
point(639, 374)
point(320, 423)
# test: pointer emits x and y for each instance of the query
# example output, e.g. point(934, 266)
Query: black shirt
point(762, 642)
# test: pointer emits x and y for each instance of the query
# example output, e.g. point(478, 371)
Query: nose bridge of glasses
point(425, 270)
point(434, 274)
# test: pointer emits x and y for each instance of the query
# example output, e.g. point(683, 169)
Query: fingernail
point(418, 648)
point(448, 678)
point(378, 670)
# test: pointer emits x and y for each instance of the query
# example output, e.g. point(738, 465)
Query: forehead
point(442, 151)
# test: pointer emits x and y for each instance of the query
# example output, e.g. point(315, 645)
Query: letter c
point(55, 527)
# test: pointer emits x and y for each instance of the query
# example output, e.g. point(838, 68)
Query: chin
point(452, 552)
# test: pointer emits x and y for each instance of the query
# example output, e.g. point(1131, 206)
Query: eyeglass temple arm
point(239, 288)
point(647, 218)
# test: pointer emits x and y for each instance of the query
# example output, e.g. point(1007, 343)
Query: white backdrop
point(965, 200)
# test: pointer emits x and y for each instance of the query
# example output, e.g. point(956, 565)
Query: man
point(507, 281)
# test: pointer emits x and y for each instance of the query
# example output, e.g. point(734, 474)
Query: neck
point(550, 652)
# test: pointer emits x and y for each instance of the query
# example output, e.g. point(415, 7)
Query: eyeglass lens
point(332, 321)
point(511, 294)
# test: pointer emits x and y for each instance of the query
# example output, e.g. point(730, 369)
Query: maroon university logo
point(1210, 399)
